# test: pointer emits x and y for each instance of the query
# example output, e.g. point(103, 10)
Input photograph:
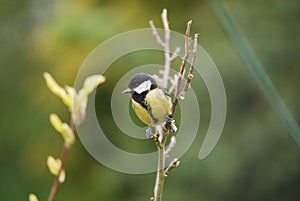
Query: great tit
point(150, 103)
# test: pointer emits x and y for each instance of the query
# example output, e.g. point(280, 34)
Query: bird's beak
point(127, 90)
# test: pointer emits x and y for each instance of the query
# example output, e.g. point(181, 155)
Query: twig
point(174, 164)
point(166, 46)
point(160, 175)
point(175, 54)
point(182, 68)
point(63, 157)
point(173, 83)
point(170, 147)
point(190, 75)
point(169, 126)
point(156, 35)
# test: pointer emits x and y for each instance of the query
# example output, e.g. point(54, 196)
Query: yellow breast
point(141, 112)
point(158, 104)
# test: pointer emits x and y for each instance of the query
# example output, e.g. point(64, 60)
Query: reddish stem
point(56, 182)
point(63, 157)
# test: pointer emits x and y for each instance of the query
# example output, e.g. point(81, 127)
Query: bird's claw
point(171, 122)
point(149, 133)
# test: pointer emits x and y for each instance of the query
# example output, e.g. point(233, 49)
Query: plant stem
point(160, 175)
point(167, 127)
point(166, 49)
point(56, 182)
point(63, 157)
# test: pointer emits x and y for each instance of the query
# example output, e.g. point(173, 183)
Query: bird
point(151, 104)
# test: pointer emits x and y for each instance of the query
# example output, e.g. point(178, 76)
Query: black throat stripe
point(140, 98)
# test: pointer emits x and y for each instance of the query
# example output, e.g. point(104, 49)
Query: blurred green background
point(255, 159)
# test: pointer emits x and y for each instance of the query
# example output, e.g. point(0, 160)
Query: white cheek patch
point(145, 86)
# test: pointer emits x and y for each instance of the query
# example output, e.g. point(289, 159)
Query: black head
point(140, 83)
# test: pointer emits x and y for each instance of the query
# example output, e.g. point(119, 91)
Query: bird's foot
point(171, 122)
point(149, 133)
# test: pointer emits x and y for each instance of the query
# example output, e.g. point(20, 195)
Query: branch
point(170, 147)
point(166, 46)
point(190, 75)
point(174, 164)
point(63, 157)
point(160, 174)
point(182, 68)
point(173, 83)
point(156, 35)
point(169, 125)
point(175, 54)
